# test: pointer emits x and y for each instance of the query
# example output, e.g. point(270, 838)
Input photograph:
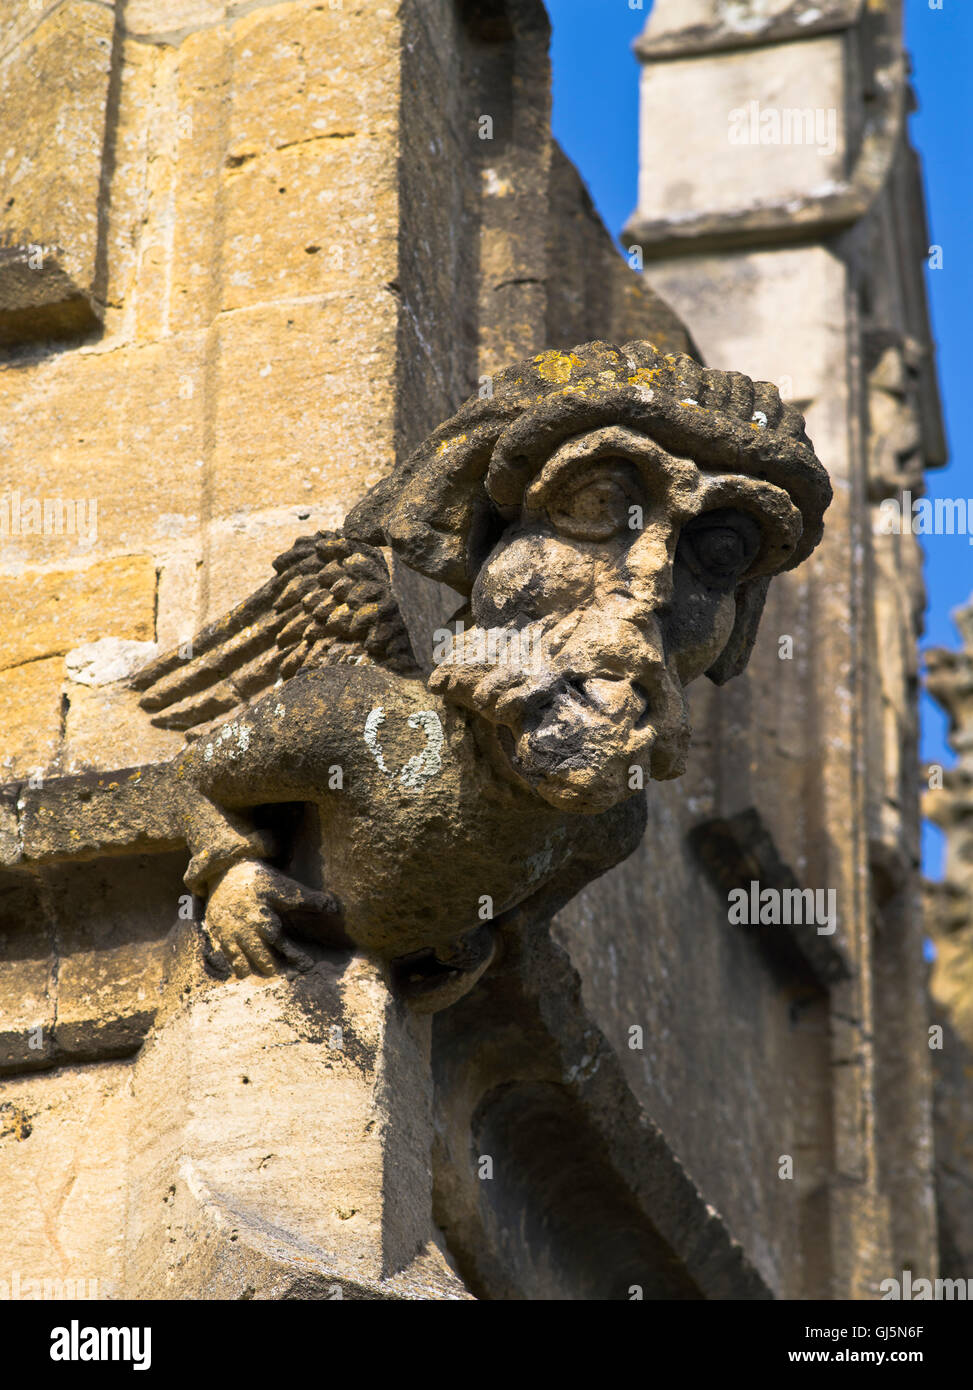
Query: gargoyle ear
point(735, 655)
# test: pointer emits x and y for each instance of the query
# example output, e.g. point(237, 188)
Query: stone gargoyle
point(614, 518)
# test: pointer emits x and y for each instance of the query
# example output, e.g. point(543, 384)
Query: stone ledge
point(803, 19)
point(55, 77)
point(809, 213)
point(738, 850)
point(802, 218)
point(40, 296)
point(83, 953)
point(90, 815)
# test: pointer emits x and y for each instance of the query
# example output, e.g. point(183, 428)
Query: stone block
point(776, 315)
point(311, 219)
point(287, 403)
point(105, 729)
point(54, 81)
point(281, 1143)
point(112, 927)
point(240, 549)
point(28, 986)
point(30, 717)
point(744, 145)
point(307, 71)
point(63, 1155)
point(48, 612)
point(123, 431)
point(122, 812)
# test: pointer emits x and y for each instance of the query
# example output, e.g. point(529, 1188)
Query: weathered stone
point(51, 155)
point(113, 598)
point(9, 834)
point(234, 1193)
point(28, 987)
point(246, 543)
point(949, 803)
point(105, 729)
point(112, 950)
point(30, 717)
point(277, 370)
point(108, 659)
point(120, 432)
point(740, 852)
point(949, 918)
point(64, 1164)
point(806, 281)
point(122, 812)
point(741, 149)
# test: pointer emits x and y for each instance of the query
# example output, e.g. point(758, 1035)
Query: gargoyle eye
point(720, 546)
point(598, 505)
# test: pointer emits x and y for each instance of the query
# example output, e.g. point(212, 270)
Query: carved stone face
point(613, 589)
point(615, 516)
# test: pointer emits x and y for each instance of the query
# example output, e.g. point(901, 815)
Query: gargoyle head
point(615, 517)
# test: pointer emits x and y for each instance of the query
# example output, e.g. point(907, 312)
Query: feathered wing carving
point(329, 603)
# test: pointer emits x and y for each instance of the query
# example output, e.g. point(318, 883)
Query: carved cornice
point(803, 19)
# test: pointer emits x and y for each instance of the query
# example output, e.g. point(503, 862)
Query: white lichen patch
point(418, 770)
point(373, 723)
point(235, 737)
point(428, 763)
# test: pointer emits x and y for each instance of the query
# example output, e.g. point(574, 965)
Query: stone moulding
point(727, 33)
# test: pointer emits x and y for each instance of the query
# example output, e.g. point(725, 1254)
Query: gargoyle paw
point(242, 917)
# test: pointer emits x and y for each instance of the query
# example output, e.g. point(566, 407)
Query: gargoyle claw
point(242, 917)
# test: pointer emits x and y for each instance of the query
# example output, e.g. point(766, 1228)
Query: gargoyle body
point(614, 518)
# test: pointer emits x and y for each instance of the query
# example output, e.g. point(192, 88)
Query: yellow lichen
point(645, 376)
point(447, 444)
point(557, 366)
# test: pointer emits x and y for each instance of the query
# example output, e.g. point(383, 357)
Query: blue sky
point(596, 121)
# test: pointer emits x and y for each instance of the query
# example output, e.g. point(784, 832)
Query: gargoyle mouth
point(573, 725)
point(575, 743)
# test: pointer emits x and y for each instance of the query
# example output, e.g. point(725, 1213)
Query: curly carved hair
point(438, 508)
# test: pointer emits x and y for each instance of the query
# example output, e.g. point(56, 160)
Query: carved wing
point(330, 602)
